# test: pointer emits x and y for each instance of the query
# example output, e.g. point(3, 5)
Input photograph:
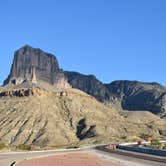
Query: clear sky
point(112, 39)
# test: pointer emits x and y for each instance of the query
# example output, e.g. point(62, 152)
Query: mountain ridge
point(42, 105)
point(123, 94)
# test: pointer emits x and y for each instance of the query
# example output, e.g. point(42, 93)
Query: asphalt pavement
point(12, 158)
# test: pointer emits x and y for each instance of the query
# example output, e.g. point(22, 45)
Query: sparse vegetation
point(156, 144)
point(43, 143)
point(56, 122)
point(24, 147)
point(2, 146)
point(72, 147)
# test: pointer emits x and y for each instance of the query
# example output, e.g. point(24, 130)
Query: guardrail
point(143, 150)
point(135, 143)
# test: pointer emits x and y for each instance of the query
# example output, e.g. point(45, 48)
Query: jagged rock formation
point(34, 80)
point(129, 95)
point(136, 95)
point(21, 92)
point(31, 64)
point(88, 84)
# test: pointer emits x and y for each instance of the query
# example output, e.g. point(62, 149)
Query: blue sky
point(112, 39)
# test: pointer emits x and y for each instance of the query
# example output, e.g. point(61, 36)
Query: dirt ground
point(68, 160)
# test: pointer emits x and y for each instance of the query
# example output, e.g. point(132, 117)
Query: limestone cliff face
point(31, 64)
point(89, 84)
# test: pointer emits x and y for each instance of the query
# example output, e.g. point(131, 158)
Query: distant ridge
point(123, 94)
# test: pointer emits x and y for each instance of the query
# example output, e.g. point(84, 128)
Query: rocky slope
point(66, 117)
point(136, 95)
point(125, 95)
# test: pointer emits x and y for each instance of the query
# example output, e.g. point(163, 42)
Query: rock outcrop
point(31, 64)
point(23, 92)
point(89, 84)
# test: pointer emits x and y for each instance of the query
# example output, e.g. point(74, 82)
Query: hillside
point(64, 117)
point(40, 106)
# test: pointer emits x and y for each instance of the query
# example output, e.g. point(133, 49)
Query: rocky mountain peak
point(32, 64)
point(33, 67)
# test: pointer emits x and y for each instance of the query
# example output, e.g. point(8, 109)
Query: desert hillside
point(45, 118)
point(39, 106)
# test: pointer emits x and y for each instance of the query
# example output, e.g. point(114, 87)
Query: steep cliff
point(31, 64)
point(89, 84)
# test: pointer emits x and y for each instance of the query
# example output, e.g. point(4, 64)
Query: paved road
point(137, 158)
point(7, 158)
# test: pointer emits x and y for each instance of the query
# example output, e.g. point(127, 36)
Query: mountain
point(39, 107)
point(31, 64)
point(135, 95)
point(127, 95)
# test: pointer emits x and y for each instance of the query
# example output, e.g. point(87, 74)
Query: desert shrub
point(2, 146)
point(97, 142)
point(135, 140)
point(72, 147)
point(43, 143)
point(155, 143)
point(145, 136)
point(164, 146)
point(24, 147)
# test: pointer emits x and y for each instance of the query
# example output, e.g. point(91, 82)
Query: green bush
point(24, 147)
point(155, 142)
